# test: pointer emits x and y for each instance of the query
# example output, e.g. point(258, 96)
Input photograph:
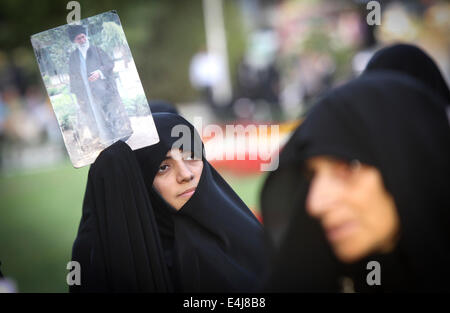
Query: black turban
point(75, 30)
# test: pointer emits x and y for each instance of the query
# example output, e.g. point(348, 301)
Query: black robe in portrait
point(104, 92)
point(396, 124)
point(130, 239)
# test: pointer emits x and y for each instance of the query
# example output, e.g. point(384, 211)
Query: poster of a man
point(92, 81)
point(94, 87)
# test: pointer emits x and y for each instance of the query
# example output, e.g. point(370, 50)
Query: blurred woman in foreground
point(365, 178)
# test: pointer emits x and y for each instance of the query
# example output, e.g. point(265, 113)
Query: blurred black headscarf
point(161, 106)
point(396, 124)
point(412, 61)
point(131, 239)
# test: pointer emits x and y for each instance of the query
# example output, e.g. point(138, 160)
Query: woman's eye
point(344, 170)
point(163, 168)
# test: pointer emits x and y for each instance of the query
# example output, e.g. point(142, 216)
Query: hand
point(94, 76)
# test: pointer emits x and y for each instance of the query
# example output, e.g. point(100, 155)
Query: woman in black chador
point(161, 219)
point(366, 177)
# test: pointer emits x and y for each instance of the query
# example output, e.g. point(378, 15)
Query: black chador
point(131, 240)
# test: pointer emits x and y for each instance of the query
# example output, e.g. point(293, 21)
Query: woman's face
point(357, 213)
point(178, 177)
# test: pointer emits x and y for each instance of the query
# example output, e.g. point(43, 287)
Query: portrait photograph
point(94, 87)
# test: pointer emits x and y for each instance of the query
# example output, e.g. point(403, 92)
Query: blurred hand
point(94, 76)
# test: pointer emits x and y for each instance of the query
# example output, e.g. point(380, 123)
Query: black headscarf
point(412, 61)
point(212, 244)
point(216, 242)
point(160, 106)
point(396, 124)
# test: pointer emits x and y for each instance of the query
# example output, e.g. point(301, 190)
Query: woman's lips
point(340, 231)
point(187, 193)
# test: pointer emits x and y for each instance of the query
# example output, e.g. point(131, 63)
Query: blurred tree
point(111, 36)
point(162, 35)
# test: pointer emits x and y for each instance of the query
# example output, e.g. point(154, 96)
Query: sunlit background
point(227, 61)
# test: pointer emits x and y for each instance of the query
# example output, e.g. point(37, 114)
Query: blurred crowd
point(26, 117)
point(294, 50)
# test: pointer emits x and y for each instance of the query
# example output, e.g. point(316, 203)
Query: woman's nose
point(184, 173)
point(322, 192)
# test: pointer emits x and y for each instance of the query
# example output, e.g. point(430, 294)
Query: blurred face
point(80, 39)
point(357, 213)
point(178, 177)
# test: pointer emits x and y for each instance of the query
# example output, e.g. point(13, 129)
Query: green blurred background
point(40, 213)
